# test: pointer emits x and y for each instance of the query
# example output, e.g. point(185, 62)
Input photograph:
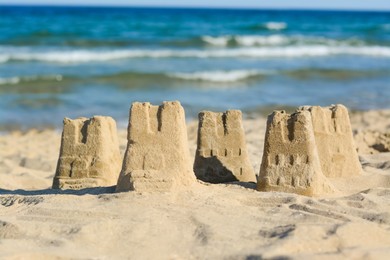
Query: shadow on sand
point(95, 191)
point(86, 191)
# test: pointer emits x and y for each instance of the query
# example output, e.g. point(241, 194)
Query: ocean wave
point(165, 79)
point(258, 40)
point(82, 56)
point(18, 80)
point(4, 58)
point(77, 56)
point(332, 74)
point(246, 40)
point(9, 81)
point(277, 40)
point(142, 78)
point(232, 76)
point(220, 76)
point(267, 26)
point(275, 25)
point(217, 41)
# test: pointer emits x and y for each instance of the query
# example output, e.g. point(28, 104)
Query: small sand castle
point(334, 140)
point(157, 156)
point(221, 154)
point(89, 154)
point(290, 160)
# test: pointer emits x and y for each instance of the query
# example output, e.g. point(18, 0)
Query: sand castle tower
point(157, 156)
point(89, 154)
point(290, 160)
point(221, 154)
point(335, 144)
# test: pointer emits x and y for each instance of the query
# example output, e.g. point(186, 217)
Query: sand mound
point(370, 142)
point(372, 131)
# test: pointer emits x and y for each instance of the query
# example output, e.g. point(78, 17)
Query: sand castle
point(221, 154)
point(300, 151)
point(334, 140)
point(157, 156)
point(89, 154)
point(290, 160)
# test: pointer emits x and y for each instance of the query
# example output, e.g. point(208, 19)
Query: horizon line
point(194, 7)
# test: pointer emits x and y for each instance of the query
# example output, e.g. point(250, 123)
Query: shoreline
point(249, 114)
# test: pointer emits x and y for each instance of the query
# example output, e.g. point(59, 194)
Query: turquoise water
point(57, 62)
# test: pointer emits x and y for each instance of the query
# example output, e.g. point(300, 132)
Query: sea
point(58, 62)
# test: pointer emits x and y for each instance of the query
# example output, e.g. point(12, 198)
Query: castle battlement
point(157, 154)
point(89, 154)
point(146, 118)
point(290, 159)
point(288, 129)
point(334, 140)
point(221, 154)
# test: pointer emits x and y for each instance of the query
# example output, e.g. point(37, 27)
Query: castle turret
point(157, 155)
point(290, 160)
point(221, 154)
point(334, 139)
point(89, 154)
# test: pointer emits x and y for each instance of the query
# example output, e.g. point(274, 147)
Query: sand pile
point(371, 133)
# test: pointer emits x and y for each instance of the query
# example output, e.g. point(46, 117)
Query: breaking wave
point(248, 40)
point(18, 80)
point(277, 40)
point(275, 25)
point(217, 76)
point(268, 26)
point(48, 83)
point(82, 56)
point(220, 76)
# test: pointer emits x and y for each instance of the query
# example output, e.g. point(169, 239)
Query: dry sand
point(212, 221)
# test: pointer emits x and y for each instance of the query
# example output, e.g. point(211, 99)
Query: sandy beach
point(208, 221)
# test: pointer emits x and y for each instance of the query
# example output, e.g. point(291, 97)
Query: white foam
point(217, 41)
point(76, 56)
point(246, 40)
point(80, 56)
point(275, 26)
point(11, 81)
point(291, 51)
point(279, 40)
point(16, 80)
point(219, 76)
point(261, 40)
point(4, 58)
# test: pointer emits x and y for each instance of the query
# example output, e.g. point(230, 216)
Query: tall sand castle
point(290, 160)
point(157, 155)
point(334, 140)
point(89, 154)
point(221, 154)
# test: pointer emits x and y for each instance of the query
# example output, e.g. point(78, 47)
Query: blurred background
point(58, 61)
